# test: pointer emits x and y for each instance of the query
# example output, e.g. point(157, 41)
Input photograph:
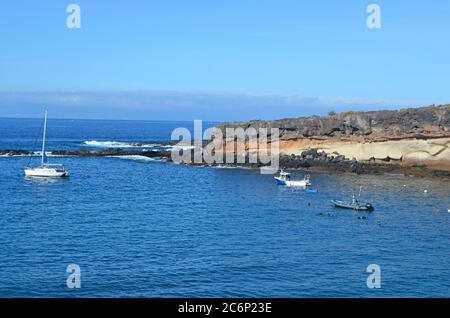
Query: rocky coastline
point(310, 160)
point(407, 141)
point(88, 153)
point(413, 142)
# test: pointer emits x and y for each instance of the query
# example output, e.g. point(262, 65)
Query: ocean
point(139, 227)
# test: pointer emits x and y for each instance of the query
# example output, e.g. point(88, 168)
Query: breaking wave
point(135, 158)
point(110, 144)
point(119, 144)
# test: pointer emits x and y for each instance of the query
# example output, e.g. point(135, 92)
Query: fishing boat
point(46, 170)
point(353, 205)
point(285, 179)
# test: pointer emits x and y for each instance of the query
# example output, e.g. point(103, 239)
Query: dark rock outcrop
point(111, 152)
point(431, 121)
point(15, 153)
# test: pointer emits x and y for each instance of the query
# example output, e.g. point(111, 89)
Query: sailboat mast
point(43, 138)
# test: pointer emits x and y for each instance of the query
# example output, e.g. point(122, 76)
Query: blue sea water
point(145, 228)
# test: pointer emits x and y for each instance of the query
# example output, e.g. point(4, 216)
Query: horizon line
point(221, 121)
point(109, 119)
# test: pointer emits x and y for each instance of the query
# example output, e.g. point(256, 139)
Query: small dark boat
point(354, 205)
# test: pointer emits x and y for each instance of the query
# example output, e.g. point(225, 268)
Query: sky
point(220, 60)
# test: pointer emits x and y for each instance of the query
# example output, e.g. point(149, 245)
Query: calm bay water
point(154, 229)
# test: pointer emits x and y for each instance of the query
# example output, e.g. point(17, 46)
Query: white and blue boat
point(285, 179)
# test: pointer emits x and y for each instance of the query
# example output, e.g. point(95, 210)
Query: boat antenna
point(43, 138)
point(360, 189)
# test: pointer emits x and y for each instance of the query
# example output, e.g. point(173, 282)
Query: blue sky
point(220, 60)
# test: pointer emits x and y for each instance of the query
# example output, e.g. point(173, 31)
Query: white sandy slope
point(432, 152)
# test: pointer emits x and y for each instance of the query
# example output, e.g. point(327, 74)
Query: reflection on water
point(46, 180)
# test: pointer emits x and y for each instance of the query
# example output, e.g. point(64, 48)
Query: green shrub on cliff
point(347, 113)
point(409, 109)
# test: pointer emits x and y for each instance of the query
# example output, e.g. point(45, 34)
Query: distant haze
point(178, 105)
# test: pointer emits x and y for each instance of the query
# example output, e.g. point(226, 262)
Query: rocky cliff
point(405, 136)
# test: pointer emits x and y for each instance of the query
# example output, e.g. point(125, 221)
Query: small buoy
point(425, 191)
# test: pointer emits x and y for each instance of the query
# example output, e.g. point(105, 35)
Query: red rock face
point(415, 136)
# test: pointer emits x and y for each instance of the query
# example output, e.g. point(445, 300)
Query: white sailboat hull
point(46, 172)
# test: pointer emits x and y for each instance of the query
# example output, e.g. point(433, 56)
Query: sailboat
point(46, 170)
